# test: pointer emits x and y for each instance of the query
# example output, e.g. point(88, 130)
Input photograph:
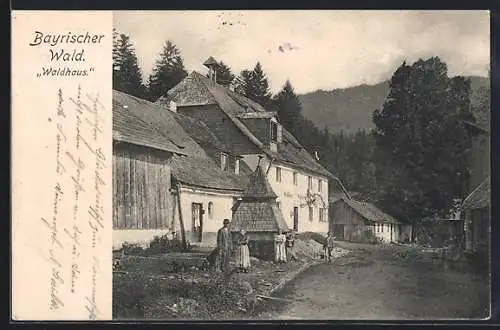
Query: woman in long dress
point(279, 248)
point(243, 254)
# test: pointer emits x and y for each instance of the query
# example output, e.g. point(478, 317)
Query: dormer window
point(223, 161)
point(274, 132)
point(237, 166)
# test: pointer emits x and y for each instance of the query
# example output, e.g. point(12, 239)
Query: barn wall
point(355, 225)
point(141, 194)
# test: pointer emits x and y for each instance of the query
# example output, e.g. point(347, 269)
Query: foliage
point(167, 72)
point(224, 76)
point(254, 85)
point(159, 245)
point(127, 76)
point(421, 141)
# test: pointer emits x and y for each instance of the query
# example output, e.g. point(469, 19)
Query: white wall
point(222, 203)
point(291, 195)
point(384, 232)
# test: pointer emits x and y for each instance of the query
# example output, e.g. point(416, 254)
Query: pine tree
point(254, 85)
point(421, 141)
point(168, 71)
point(224, 75)
point(126, 72)
point(289, 109)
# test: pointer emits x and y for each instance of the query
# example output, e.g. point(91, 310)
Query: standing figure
point(330, 244)
point(289, 243)
point(243, 254)
point(279, 247)
point(224, 246)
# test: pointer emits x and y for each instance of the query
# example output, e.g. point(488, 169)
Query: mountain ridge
point(350, 109)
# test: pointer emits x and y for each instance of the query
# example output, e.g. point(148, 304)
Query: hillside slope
point(350, 109)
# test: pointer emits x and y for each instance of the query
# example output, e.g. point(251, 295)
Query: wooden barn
point(477, 208)
point(142, 203)
point(356, 221)
point(258, 213)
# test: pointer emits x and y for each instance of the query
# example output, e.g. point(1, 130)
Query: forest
point(410, 160)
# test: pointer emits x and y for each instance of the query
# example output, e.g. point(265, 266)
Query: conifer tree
point(126, 72)
point(167, 72)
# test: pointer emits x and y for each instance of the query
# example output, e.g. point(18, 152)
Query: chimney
point(173, 106)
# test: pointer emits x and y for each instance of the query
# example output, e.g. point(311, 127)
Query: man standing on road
point(330, 244)
point(224, 246)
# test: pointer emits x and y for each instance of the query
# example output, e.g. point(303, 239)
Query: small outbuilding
point(258, 213)
point(477, 208)
point(356, 221)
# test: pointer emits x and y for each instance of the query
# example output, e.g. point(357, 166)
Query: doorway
point(296, 219)
point(197, 222)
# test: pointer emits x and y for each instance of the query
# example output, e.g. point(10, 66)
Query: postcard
point(251, 165)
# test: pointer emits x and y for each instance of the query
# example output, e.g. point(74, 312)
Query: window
point(278, 174)
point(237, 166)
point(381, 227)
point(295, 178)
point(376, 228)
point(320, 185)
point(210, 210)
point(279, 205)
point(274, 132)
point(309, 183)
point(311, 214)
point(322, 215)
point(223, 161)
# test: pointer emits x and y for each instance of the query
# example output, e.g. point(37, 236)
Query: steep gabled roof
point(258, 186)
point(479, 197)
point(369, 211)
point(196, 168)
point(197, 89)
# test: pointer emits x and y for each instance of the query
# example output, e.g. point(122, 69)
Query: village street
point(377, 282)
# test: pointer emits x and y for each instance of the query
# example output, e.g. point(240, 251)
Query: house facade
point(247, 130)
point(356, 221)
point(142, 202)
point(182, 192)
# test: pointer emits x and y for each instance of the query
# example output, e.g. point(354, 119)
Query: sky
point(323, 49)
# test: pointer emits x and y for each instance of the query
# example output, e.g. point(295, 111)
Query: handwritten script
point(73, 250)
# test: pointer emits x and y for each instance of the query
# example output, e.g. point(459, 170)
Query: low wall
point(142, 237)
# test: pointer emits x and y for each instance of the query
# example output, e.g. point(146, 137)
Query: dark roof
point(479, 197)
point(197, 168)
point(258, 217)
point(130, 127)
point(369, 211)
point(196, 89)
point(210, 61)
point(259, 187)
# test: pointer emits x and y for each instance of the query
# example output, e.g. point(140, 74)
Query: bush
point(164, 244)
point(159, 245)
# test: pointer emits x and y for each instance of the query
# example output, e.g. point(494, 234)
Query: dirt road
point(378, 282)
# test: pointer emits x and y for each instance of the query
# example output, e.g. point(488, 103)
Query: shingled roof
point(197, 90)
point(129, 127)
point(258, 210)
point(154, 125)
point(369, 211)
point(259, 187)
point(479, 197)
